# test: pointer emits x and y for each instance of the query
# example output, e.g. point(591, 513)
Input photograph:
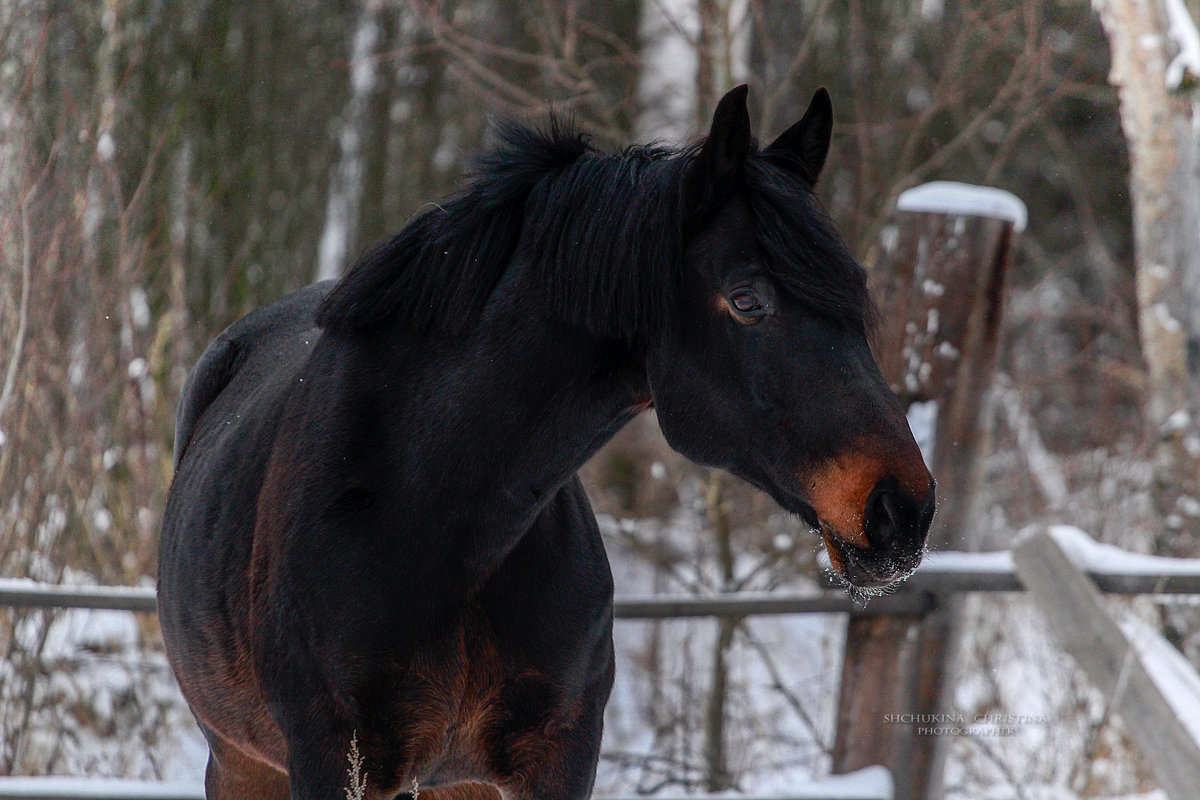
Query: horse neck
point(513, 410)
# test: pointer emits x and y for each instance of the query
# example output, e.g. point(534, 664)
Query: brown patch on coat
point(838, 489)
point(838, 492)
point(467, 715)
point(469, 790)
point(215, 668)
point(233, 775)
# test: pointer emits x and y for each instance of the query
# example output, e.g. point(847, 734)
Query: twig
point(10, 377)
point(788, 696)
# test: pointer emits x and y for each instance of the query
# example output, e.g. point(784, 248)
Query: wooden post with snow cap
point(940, 284)
point(939, 278)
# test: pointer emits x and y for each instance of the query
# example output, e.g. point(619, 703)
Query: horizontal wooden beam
point(1082, 626)
point(22, 593)
point(64, 788)
point(942, 573)
point(745, 604)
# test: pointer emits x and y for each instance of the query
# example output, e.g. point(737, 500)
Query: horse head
point(766, 369)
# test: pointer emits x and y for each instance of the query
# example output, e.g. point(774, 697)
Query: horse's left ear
point(807, 142)
point(717, 169)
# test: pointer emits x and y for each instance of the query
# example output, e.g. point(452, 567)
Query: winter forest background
point(167, 166)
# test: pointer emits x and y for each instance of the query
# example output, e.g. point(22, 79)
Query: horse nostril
point(882, 519)
point(894, 516)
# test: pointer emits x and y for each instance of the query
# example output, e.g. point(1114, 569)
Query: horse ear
point(807, 142)
point(718, 167)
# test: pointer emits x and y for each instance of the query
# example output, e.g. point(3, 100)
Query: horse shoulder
point(210, 376)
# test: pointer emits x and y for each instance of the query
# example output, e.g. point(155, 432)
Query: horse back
point(254, 344)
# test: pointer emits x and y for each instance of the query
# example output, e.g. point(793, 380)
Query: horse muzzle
point(891, 540)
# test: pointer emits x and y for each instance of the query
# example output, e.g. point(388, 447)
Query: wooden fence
point(1064, 586)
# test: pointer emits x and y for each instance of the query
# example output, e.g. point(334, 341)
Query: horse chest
point(466, 709)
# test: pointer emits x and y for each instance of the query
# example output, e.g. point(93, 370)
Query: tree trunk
point(345, 184)
point(1155, 67)
point(666, 90)
point(717, 774)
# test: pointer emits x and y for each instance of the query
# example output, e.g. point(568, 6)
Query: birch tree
point(345, 183)
point(1155, 67)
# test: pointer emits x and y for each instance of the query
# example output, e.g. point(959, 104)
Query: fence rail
point(60, 788)
point(1113, 571)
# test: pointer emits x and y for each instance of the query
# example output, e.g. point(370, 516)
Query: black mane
point(604, 234)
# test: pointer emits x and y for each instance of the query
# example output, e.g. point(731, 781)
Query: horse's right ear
point(717, 169)
point(807, 142)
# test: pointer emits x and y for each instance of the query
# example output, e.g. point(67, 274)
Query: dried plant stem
point(10, 377)
point(358, 779)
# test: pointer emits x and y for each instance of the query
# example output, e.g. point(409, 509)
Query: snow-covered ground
point(784, 673)
point(89, 693)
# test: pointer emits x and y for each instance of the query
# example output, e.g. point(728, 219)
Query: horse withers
point(375, 532)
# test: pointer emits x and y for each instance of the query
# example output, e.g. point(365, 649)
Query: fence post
point(939, 278)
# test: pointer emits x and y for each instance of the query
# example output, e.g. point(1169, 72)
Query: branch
point(10, 377)
point(778, 685)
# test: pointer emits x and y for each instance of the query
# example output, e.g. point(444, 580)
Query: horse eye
point(746, 303)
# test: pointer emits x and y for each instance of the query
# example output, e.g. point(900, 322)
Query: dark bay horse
point(375, 530)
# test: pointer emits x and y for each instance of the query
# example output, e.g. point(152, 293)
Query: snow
point(1099, 557)
point(654, 722)
point(140, 595)
point(1182, 31)
point(964, 199)
point(105, 147)
point(1043, 465)
point(922, 421)
point(932, 10)
point(869, 782)
point(946, 351)
point(1165, 318)
point(104, 702)
point(1171, 672)
point(662, 676)
point(889, 238)
point(1181, 420)
point(948, 561)
point(139, 307)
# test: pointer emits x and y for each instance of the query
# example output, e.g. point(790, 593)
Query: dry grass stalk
point(357, 789)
